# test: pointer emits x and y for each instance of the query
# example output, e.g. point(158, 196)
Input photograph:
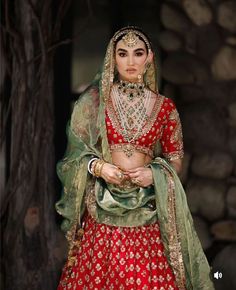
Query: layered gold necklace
point(131, 101)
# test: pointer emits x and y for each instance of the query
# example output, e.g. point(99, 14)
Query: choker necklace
point(131, 90)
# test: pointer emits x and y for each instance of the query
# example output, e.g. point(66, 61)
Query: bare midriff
point(126, 163)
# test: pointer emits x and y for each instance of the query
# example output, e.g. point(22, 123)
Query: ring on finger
point(136, 181)
point(120, 175)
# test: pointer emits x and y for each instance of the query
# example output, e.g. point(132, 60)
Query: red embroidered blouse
point(163, 126)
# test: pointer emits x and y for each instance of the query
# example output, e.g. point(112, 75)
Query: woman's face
point(130, 61)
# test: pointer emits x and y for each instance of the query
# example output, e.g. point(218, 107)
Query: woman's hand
point(141, 176)
point(112, 174)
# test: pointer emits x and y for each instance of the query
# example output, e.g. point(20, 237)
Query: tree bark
point(31, 249)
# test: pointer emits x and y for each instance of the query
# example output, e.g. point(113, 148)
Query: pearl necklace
point(131, 112)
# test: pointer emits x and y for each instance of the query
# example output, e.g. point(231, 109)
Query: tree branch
point(42, 44)
point(12, 32)
point(60, 43)
point(64, 5)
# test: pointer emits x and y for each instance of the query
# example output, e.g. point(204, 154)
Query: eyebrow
point(124, 50)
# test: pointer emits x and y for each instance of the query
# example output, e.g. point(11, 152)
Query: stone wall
point(199, 72)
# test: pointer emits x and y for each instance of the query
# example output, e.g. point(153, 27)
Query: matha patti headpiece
point(130, 39)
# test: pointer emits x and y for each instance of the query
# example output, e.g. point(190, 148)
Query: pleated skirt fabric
point(119, 258)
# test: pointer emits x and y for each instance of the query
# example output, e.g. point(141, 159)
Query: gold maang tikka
point(130, 36)
point(130, 39)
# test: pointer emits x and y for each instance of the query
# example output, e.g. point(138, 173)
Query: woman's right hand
point(112, 174)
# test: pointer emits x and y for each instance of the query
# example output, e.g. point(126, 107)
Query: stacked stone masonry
point(199, 44)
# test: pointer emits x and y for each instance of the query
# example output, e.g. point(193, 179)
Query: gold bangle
point(98, 167)
point(93, 166)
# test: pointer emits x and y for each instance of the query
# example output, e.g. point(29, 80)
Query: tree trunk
point(31, 249)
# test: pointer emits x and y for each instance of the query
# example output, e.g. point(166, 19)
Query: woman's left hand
point(141, 176)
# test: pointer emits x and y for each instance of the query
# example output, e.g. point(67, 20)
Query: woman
point(126, 216)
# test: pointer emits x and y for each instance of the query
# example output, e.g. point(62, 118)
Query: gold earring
point(139, 78)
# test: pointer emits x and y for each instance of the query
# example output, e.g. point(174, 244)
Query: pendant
point(131, 90)
point(128, 150)
point(130, 97)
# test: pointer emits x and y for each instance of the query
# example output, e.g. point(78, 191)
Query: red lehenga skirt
point(119, 258)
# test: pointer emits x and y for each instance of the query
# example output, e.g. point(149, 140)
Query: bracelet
point(98, 167)
point(93, 166)
point(90, 164)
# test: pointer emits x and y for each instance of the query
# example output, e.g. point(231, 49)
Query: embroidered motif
point(172, 141)
point(128, 149)
point(174, 155)
point(90, 200)
point(176, 135)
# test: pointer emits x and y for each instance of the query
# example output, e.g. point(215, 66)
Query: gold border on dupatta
point(176, 257)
